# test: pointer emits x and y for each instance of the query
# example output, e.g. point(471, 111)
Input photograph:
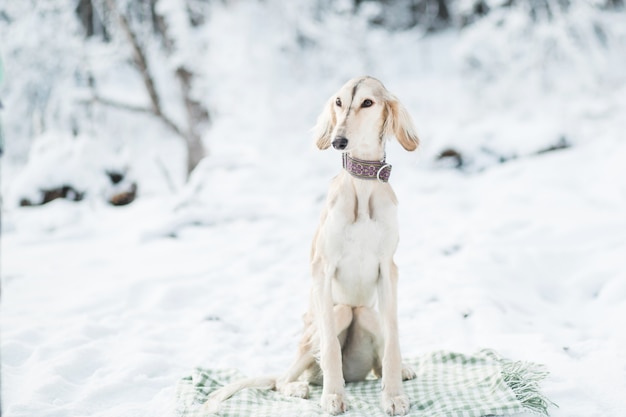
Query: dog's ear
point(325, 125)
point(399, 123)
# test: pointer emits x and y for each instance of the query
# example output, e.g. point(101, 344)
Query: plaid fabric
point(447, 385)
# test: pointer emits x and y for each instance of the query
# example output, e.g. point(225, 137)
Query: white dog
point(351, 327)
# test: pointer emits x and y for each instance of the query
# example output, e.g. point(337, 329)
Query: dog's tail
point(227, 391)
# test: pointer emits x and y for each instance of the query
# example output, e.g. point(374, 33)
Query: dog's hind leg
point(289, 384)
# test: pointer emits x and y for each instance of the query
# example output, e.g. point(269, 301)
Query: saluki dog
point(351, 327)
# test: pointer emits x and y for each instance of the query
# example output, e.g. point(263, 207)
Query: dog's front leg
point(330, 350)
point(394, 401)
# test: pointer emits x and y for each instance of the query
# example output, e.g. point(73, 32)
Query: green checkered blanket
point(447, 385)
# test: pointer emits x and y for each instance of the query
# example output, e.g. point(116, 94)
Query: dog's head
point(360, 116)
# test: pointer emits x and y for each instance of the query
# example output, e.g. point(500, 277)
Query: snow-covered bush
point(75, 168)
point(555, 47)
point(42, 53)
point(540, 76)
point(62, 78)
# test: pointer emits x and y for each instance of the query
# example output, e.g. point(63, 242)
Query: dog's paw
point(396, 405)
point(333, 403)
point(299, 389)
point(407, 372)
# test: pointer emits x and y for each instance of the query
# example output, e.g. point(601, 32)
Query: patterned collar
point(367, 170)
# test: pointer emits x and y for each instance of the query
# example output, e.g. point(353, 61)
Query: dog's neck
point(367, 170)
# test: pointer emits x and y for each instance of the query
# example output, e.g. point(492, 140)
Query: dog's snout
point(340, 143)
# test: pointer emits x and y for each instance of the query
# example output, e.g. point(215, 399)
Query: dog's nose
point(340, 143)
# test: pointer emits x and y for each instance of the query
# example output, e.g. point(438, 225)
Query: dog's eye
point(338, 102)
point(367, 103)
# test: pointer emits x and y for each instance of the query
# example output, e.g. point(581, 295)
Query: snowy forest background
point(160, 188)
point(146, 84)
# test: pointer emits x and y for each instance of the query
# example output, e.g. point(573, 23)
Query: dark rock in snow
point(563, 143)
point(452, 155)
point(125, 197)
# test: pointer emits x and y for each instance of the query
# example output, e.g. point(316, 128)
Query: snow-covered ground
point(105, 308)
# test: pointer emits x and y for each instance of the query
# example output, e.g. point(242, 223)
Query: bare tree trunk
point(197, 118)
point(197, 115)
point(84, 10)
point(196, 112)
point(92, 23)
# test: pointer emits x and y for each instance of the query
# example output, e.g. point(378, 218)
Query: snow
point(105, 308)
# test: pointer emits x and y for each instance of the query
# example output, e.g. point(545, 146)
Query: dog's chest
point(359, 251)
point(358, 239)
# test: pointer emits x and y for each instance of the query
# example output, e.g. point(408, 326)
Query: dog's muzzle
point(340, 143)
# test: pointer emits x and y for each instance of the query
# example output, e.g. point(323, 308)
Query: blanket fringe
point(523, 378)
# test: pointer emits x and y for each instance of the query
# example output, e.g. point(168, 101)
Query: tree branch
point(117, 104)
point(137, 109)
point(139, 58)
